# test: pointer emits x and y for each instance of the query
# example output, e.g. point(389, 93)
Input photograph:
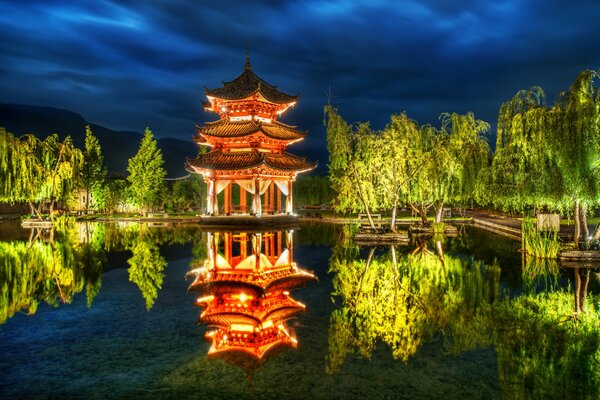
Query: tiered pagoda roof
point(240, 308)
point(227, 129)
point(248, 139)
point(247, 85)
point(249, 340)
point(234, 160)
point(254, 281)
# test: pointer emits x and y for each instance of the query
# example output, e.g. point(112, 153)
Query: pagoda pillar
point(226, 200)
point(243, 200)
point(243, 245)
point(279, 234)
point(210, 196)
point(290, 246)
point(272, 196)
point(278, 198)
point(215, 198)
point(257, 249)
point(266, 203)
point(289, 201)
point(227, 247)
point(256, 203)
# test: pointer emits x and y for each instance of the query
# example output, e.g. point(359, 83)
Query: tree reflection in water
point(546, 338)
point(51, 267)
point(54, 265)
point(403, 298)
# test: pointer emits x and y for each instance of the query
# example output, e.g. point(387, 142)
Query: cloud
point(134, 64)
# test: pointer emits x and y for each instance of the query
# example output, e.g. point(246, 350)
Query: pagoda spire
point(248, 66)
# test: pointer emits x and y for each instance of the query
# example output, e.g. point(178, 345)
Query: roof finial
point(248, 58)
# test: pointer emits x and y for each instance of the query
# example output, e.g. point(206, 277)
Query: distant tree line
point(50, 174)
point(547, 158)
point(313, 191)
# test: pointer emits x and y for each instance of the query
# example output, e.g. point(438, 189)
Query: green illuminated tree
point(92, 172)
point(40, 172)
point(188, 192)
point(147, 174)
point(19, 168)
point(399, 159)
point(547, 157)
point(352, 167)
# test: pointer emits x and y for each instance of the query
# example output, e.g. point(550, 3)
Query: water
point(103, 311)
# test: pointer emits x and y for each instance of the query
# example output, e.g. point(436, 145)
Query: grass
point(539, 244)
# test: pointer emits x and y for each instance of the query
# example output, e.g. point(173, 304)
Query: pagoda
point(244, 289)
point(247, 147)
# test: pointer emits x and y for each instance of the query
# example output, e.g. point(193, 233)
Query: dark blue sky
point(132, 64)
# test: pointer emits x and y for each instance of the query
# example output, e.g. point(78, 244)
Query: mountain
point(117, 146)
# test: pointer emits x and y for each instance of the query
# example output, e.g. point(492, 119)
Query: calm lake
point(126, 310)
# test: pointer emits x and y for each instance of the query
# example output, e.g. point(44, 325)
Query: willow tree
point(40, 172)
point(60, 164)
point(400, 158)
point(547, 157)
point(575, 134)
point(470, 153)
point(147, 174)
point(19, 168)
point(523, 173)
point(352, 167)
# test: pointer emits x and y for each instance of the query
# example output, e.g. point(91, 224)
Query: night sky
point(131, 64)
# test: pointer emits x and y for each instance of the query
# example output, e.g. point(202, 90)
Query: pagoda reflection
point(244, 288)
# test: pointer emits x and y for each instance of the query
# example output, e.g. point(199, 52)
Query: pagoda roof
point(248, 84)
point(218, 160)
point(225, 310)
point(256, 345)
point(219, 283)
point(224, 128)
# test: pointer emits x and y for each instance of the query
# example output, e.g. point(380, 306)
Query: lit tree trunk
point(393, 223)
point(577, 233)
point(421, 209)
point(440, 213)
point(363, 200)
point(585, 232)
point(597, 232)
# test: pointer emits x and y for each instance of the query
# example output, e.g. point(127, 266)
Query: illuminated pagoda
point(245, 294)
point(248, 147)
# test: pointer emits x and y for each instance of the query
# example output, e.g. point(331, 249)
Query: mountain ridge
point(117, 146)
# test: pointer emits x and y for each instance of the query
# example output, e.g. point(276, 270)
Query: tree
point(352, 167)
point(470, 153)
point(147, 174)
point(398, 160)
point(523, 173)
point(41, 172)
point(19, 168)
point(188, 192)
point(548, 157)
point(576, 145)
point(92, 172)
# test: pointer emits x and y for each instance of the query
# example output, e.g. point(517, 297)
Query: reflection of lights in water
point(247, 298)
